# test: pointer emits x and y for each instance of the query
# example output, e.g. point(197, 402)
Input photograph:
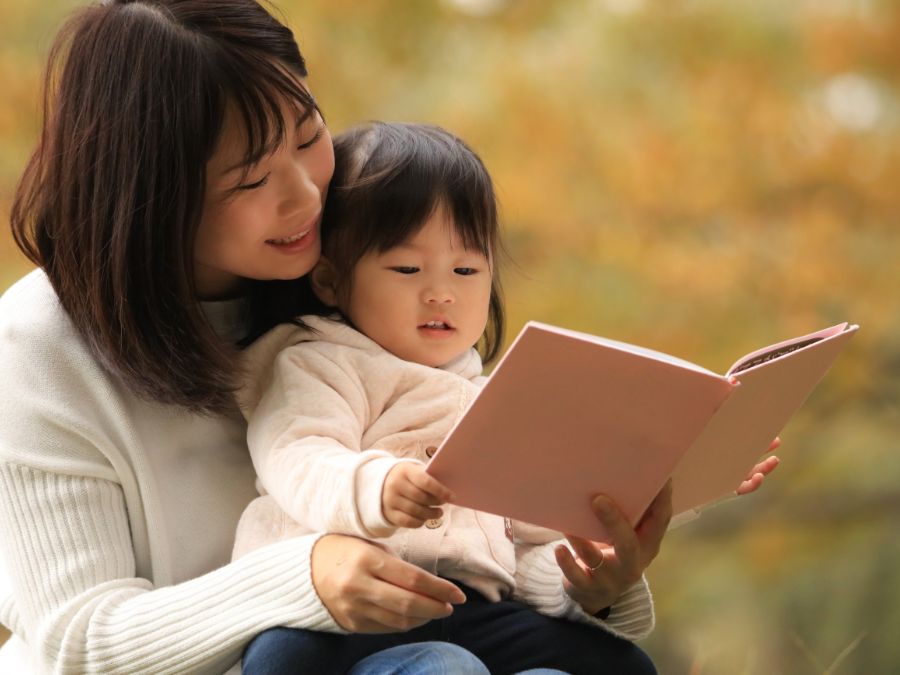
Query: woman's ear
point(324, 282)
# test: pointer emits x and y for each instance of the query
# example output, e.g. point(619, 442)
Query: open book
point(567, 415)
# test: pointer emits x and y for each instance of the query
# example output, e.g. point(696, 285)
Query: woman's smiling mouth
point(299, 241)
point(288, 240)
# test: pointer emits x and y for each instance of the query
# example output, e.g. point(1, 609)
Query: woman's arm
point(614, 593)
point(68, 552)
point(67, 548)
point(540, 584)
point(598, 572)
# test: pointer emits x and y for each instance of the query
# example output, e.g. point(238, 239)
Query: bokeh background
point(703, 177)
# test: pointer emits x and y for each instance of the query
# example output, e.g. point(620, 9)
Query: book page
point(768, 394)
point(780, 349)
point(625, 347)
point(773, 354)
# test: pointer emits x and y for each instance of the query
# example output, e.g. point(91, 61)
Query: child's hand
point(410, 496)
point(760, 471)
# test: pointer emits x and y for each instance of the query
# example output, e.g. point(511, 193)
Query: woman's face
point(262, 223)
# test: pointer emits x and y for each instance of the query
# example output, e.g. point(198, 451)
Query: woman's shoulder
point(37, 333)
point(53, 390)
point(30, 313)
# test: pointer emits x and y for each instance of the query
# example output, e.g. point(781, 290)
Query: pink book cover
point(567, 415)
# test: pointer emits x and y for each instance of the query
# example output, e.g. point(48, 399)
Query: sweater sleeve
point(68, 552)
point(305, 439)
point(539, 583)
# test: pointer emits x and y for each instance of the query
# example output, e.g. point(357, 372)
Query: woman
point(180, 174)
point(179, 179)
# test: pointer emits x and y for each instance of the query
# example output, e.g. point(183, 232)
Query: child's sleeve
point(539, 583)
point(304, 436)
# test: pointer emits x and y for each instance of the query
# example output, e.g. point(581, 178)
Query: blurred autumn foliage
point(701, 177)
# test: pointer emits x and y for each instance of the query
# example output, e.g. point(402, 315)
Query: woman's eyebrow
point(244, 163)
point(249, 161)
point(307, 113)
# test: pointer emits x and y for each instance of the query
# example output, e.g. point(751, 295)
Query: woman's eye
point(465, 271)
point(312, 141)
point(256, 185)
point(405, 270)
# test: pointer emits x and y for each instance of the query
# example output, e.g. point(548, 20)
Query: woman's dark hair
point(109, 204)
point(388, 180)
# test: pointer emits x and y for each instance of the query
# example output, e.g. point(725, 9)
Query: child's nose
point(439, 295)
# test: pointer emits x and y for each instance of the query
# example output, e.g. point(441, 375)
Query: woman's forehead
point(233, 152)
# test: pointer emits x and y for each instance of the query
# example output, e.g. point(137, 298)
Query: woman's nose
point(299, 192)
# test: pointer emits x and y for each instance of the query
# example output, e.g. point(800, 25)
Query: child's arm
point(411, 496)
point(305, 435)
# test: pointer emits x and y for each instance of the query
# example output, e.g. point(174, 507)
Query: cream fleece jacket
point(117, 516)
point(331, 413)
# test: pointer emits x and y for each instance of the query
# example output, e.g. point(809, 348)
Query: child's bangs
point(416, 170)
point(471, 204)
point(474, 226)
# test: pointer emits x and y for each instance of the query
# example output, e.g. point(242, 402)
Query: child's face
point(426, 300)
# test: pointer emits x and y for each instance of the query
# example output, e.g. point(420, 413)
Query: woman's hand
point(760, 471)
point(603, 571)
point(368, 590)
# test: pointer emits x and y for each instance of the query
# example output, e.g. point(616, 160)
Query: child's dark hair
point(388, 180)
point(109, 204)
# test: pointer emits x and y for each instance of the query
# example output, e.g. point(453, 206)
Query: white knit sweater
point(331, 413)
point(117, 517)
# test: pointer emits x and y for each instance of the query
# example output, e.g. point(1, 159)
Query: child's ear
point(324, 282)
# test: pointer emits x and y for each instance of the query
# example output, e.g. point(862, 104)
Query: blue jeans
point(429, 658)
point(507, 637)
point(421, 658)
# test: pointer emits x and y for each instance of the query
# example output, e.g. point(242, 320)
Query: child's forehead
point(450, 243)
point(439, 233)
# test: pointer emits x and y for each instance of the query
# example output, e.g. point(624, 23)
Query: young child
point(345, 408)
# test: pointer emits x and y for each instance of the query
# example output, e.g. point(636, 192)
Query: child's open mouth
point(436, 328)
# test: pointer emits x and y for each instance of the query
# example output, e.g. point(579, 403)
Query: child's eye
point(254, 186)
point(405, 270)
point(465, 271)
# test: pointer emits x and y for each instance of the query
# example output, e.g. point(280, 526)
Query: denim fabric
point(507, 636)
point(421, 658)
